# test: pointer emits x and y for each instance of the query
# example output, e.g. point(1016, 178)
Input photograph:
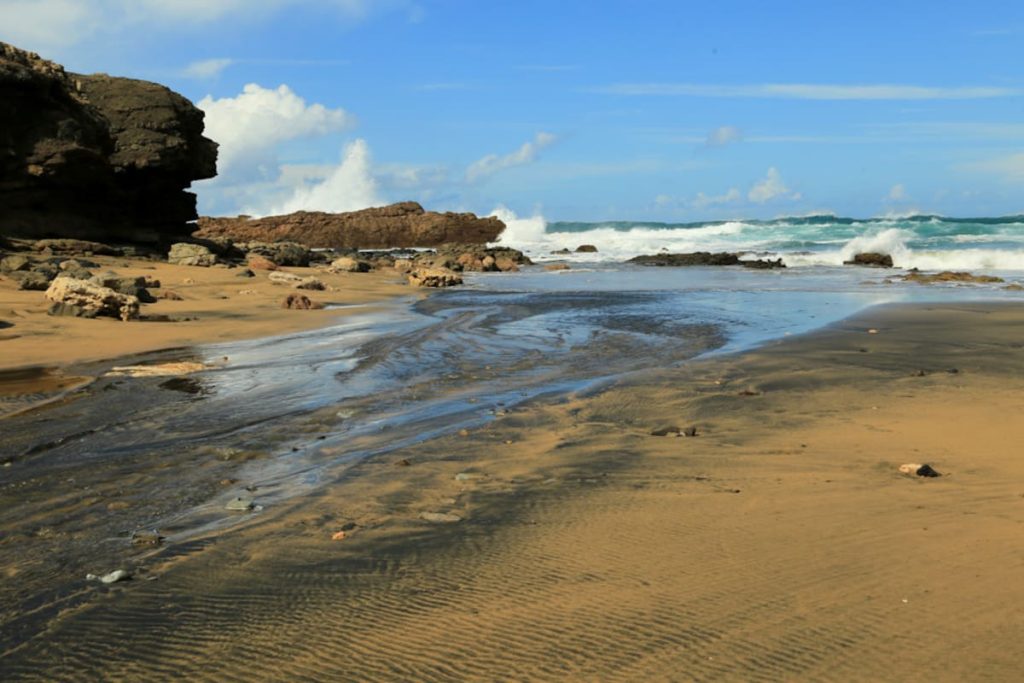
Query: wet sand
point(780, 543)
point(217, 305)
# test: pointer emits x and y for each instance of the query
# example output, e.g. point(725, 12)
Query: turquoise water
point(925, 242)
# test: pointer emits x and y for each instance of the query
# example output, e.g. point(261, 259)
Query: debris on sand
point(440, 517)
point(113, 577)
point(919, 470)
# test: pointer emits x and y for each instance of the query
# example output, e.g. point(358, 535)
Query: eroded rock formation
point(95, 157)
point(396, 226)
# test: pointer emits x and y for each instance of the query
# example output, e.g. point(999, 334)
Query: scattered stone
point(338, 536)
point(953, 371)
point(65, 245)
point(84, 299)
point(245, 272)
point(586, 249)
point(347, 264)
point(300, 302)
point(258, 262)
point(280, 253)
point(240, 504)
point(170, 295)
point(15, 263)
point(31, 280)
point(919, 373)
point(434, 277)
point(284, 278)
point(466, 476)
point(561, 251)
point(671, 430)
point(147, 538)
point(311, 283)
point(440, 517)
point(132, 285)
point(690, 431)
point(404, 462)
point(185, 254)
point(919, 470)
point(113, 577)
point(749, 392)
point(950, 276)
point(872, 259)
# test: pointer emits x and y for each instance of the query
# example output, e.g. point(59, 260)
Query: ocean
point(918, 241)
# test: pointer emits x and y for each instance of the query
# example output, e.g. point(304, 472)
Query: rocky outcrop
point(95, 157)
point(395, 226)
point(705, 258)
point(872, 259)
point(950, 276)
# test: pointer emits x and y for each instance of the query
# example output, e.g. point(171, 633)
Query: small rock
point(466, 476)
point(299, 302)
point(440, 517)
point(147, 538)
point(245, 272)
point(690, 431)
point(284, 278)
point(240, 504)
point(557, 266)
point(404, 462)
point(434, 277)
point(586, 249)
point(918, 469)
point(112, 577)
point(338, 536)
point(670, 430)
point(310, 283)
point(259, 262)
point(170, 295)
point(347, 264)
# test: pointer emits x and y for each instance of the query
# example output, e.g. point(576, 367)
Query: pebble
point(921, 470)
point(112, 577)
point(240, 504)
point(466, 476)
point(440, 517)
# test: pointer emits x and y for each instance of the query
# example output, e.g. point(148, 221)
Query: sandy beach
point(779, 543)
point(211, 305)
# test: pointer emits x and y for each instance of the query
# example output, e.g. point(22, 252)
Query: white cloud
point(348, 187)
point(897, 193)
point(723, 135)
point(703, 201)
point(771, 187)
point(207, 68)
point(252, 124)
point(51, 24)
point(492, 163)
point(809, 91)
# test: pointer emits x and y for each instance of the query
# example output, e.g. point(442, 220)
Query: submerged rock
point(872, 259)
point(950, 276)
point(704, 258)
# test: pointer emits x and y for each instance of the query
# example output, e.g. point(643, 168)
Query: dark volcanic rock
point(870, 259)
point(704, 258)
point(95, 157)
point(399, 225)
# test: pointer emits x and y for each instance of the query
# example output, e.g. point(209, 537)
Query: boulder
point(134, 285)
point(347, 264)
point(85, 299)
point(75, 247)
point(299, 302)
point(15, 263)
point(281, 253)
point(310, 283)
point(872, 259)
point(434, 277)
point(405, 224)
point(586, 249)
point(95, 157)
point(187, 254)
point(258, 262)
point(475, 257)
point(34, 280)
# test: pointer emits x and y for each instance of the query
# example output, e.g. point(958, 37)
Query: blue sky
point(578, 110)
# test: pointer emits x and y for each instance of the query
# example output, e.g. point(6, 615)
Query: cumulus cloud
point(348, 187)
point(771, 187)
point(723, 135)
point(897, 193)
point(493, 163)
point(252, 124)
